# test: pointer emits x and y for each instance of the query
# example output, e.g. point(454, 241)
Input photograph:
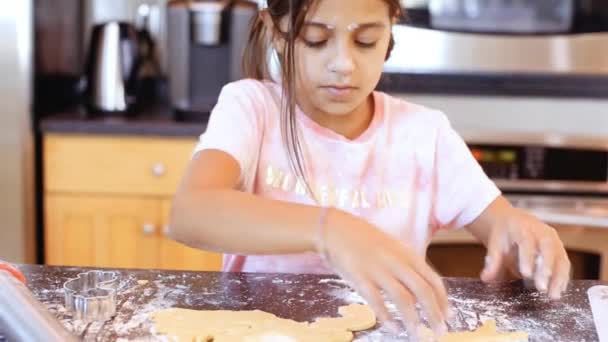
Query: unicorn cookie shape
point(598, 298)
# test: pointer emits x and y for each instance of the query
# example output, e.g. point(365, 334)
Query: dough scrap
point(259, 326)
point(486, 333)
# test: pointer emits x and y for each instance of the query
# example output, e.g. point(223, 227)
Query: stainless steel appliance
point(17, 236)
point(423, 50)
point(561, 179)
point(112, 68)
point(483, 36)
point(205, 42)
point(563, 182)
point(524, 16)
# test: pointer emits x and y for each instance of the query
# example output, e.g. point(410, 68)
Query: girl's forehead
point(350, 16)
point(350, 27)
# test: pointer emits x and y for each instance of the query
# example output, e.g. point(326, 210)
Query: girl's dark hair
point(255, 65)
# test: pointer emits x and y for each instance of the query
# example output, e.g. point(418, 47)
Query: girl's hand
point(521, 242)
point(373, 262)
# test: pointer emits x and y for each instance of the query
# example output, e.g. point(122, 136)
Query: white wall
point(567, 116)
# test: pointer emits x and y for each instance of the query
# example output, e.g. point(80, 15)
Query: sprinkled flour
point(311, 297)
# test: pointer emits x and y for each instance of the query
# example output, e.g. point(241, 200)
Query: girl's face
point(340, 54)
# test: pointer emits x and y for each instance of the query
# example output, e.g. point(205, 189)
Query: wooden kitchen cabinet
point(101, 231)
point(115, 164)
point(107, 201)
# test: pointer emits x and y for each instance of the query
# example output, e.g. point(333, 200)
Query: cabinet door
point(114, 166)
point(102, 231)
point(177, 256)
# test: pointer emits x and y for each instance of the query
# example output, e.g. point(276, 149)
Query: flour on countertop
point(317, 297)
point(471, 313)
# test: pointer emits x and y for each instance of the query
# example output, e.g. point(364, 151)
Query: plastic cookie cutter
point(92, 295)
point(598, 299)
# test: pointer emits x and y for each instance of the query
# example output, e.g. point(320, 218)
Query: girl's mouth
point(339, 91)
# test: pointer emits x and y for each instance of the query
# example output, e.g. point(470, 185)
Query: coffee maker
point(205, 44)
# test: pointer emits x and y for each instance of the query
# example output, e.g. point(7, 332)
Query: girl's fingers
point(561, 277)
point(526, 249)
point(545, 263)
point(371, 293)
point(405, 302)
point(426, 297)
point(494, 256)
point(436, 283)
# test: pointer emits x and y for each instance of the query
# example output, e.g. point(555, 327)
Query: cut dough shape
point(354, 318)
point(259, 326)
point(486, 333)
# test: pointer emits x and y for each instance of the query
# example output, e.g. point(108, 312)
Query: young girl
point(315, 172)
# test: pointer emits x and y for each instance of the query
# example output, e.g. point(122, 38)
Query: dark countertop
point(154, 121)
point(306, 297)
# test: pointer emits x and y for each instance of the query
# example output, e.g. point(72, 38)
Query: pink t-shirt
point(409, 173)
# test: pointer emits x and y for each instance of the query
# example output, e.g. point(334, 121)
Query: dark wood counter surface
point(306, 297)
point(152, 121)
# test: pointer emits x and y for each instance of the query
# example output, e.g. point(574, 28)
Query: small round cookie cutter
point(92, 295)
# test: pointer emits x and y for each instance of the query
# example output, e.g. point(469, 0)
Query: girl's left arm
point(517, 240)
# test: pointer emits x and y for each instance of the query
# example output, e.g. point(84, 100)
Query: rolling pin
point(22, 316)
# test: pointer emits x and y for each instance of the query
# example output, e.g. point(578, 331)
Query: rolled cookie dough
point(486, 333)
point(260, 326)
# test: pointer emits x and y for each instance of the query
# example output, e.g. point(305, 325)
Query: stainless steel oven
point(526, 84)
point(562, 180)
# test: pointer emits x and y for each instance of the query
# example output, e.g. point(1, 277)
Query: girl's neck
point(351, 125)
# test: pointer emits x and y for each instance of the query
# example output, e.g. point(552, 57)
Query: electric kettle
point(111, 69)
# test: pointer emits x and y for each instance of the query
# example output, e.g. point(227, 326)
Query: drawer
point(114, 164)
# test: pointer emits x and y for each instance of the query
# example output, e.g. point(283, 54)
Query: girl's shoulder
point(257, 89)
point(400, 110)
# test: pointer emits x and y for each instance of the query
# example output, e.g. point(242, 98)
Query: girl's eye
point(365, 44)
point(321, 43)
point(315, 43)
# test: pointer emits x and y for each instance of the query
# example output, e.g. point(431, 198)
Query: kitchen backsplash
point(63, 29)
point(58, 36)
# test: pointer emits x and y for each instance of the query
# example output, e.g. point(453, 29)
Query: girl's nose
point(342, 62)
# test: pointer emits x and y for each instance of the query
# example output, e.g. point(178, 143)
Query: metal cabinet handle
point(159, 169)
point(149, 229)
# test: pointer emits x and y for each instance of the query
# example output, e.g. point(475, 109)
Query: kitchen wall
point(560, 116)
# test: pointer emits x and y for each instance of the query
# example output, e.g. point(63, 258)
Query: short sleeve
point(463, 190)
point(235, 124)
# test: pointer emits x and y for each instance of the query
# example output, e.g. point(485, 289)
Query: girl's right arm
point(209, 213)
